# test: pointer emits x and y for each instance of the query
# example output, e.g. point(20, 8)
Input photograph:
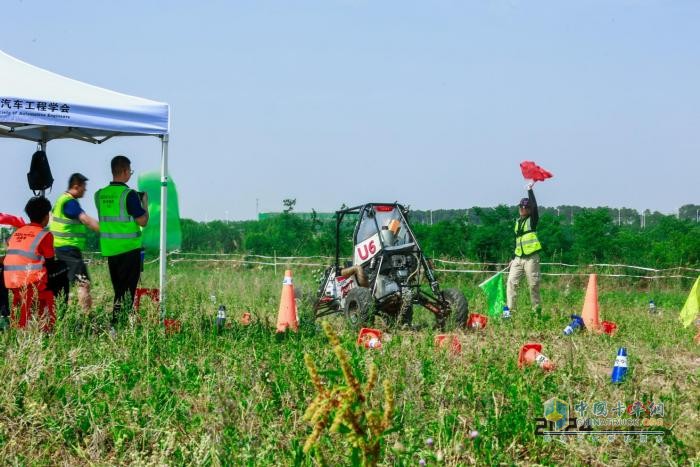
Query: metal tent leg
point(163, 223)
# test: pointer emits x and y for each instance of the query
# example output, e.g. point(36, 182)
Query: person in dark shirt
point(527, 248)
point(69, 224)
point(122, 213)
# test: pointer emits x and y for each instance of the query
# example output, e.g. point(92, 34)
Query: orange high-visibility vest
point(23, 264)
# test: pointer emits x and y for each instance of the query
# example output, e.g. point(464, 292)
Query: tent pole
point(163, 221)
point(42, 146)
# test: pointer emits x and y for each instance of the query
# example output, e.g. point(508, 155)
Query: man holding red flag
point(527, 248)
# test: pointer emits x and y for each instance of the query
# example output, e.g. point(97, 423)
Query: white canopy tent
point(40, 106)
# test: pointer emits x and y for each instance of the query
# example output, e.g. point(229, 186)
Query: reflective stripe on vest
point(26, 267)
point(26, 254)
point(116, 218)
point(23, 264)
point(60, 220)
point(119, 232)
point(121, 235)
point(67, 235)
point(66, 232)
point(526, 241)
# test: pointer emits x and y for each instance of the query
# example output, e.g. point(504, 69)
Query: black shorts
point(73, 257)
point(4, 300)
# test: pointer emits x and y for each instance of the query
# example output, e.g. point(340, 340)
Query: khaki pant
point(530, 266)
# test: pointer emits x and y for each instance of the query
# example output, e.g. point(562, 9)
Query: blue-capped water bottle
point(620, 367)
point(506, 312)
point(652, 307)
point(221, 317)
point(576, 323)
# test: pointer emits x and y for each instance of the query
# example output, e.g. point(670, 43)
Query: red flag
point(9, 219)
point(532, 171)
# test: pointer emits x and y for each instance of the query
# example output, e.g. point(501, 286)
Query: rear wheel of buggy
point(458, 309)
point(359, 307)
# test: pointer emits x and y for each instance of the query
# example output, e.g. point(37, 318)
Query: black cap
point(524, 203)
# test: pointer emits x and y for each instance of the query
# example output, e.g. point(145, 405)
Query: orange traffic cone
point(370, 338)
point(590, 305)
point(530, 353)
point(287, 316)
point(443, 340)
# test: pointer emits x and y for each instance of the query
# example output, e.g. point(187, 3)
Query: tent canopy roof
point(39, 105)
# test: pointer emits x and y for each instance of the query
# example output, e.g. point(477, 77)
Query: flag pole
point(499, 272)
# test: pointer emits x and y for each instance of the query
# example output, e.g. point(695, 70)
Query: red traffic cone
point(443, 340)
point(172, 326)
point(245, 319)
point(287, 316)
point(608, 327)
point(476, 321)
point(530, 353)
point(370, 338)
point(153, 294)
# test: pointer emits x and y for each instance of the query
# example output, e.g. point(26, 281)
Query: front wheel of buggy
point(455, 316)
point(359, 307)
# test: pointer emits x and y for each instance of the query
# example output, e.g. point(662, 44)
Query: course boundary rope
point(176, 256)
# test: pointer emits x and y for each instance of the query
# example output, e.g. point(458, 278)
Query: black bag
point(39, 176)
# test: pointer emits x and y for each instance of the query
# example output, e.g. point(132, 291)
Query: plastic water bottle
point(221, 317)
point(506, 312)
point(620, 367)
point(576, 323)
point(652, 307)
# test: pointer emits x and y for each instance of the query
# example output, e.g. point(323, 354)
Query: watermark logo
point(595, 419)
point(556, 411)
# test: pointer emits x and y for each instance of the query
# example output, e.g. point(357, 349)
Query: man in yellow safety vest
point(527, 248)
point(122, 212)
point(69, 224)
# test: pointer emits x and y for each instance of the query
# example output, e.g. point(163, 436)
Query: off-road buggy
point(387, 274)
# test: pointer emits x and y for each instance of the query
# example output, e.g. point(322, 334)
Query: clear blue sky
point(431, 103)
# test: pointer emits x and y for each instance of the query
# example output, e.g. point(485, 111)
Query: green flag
point(495, 294)
point(692, 305)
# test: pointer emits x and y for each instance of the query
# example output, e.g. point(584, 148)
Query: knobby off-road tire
point(359, 307)
point(458, 310)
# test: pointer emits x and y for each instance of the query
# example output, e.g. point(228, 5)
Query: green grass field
point(80, 396)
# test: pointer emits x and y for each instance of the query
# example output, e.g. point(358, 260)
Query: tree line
point(581, 235)
point(484, 234)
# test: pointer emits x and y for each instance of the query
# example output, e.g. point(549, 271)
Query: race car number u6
point(367, 249)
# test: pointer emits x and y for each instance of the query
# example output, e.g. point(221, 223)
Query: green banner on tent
point(151, 184)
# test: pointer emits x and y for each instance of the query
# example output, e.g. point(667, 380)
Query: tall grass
point(238, 397)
